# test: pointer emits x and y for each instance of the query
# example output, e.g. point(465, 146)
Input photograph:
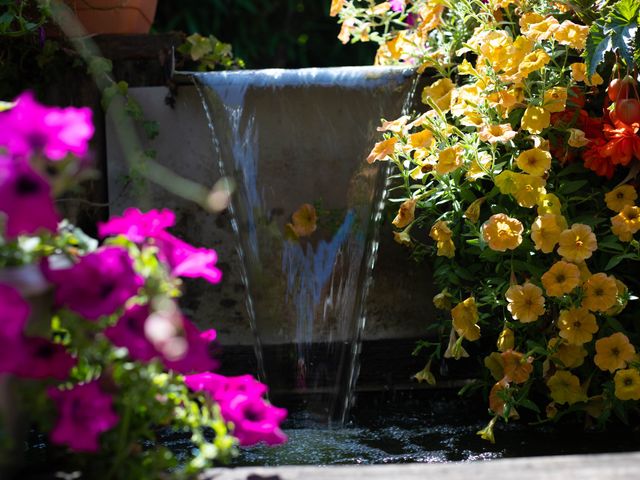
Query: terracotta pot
point(115, 16)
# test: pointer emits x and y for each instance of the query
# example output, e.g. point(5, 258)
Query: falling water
point(295, 137)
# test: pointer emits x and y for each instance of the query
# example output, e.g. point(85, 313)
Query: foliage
point(96, 353)
point(519, 179)
point(209, 53)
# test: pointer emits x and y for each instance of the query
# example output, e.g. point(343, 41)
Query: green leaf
point(597, 46)
point(625, 11)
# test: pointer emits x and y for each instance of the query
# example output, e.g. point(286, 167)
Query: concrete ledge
point(619, 466)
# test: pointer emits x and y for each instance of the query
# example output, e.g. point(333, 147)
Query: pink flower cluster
point(240, 399)
point(105, 283)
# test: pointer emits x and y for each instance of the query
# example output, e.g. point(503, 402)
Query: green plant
point(519, 180)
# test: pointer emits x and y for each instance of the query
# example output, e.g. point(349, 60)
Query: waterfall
point(299, 137)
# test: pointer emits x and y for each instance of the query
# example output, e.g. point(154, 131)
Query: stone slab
point(620, 466)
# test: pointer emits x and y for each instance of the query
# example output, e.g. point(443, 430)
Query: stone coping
point(617, 466)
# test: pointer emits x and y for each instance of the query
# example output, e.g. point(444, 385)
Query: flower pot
point(115, 16)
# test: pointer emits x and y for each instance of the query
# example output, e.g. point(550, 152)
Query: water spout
point(292, 138)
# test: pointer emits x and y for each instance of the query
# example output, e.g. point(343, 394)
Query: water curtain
point(306, 213)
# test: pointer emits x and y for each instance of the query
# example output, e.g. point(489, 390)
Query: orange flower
point(496, 403)
point(465, 319)
point(406, 213)
point(545, 231)
point(579, 74)
point(502, 232)
point(614, 352)
point(620, 197)
point(577, 325)
point(577, 243)
point(526, 302)
point(623, 143)
point(382, 149)
point(517, 368)
point(336, 6)
point(496, 133)
point(600, 292)
point(569, 356)
point(537, 27)
point(574, 35)
point(561, 278)
point(626, 223)
point(304, 221)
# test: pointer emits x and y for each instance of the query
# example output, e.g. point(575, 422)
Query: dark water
point(441, 429)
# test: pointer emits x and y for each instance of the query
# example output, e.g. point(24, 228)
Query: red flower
point(596, 161)
point(623, 143)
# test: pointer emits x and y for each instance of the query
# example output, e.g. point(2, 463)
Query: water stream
point(299, 137)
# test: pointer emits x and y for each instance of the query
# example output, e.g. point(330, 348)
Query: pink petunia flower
point(14, 311)
point(198, 354)
point(84, 412)
point(254, 420)
point(184, 259)
point(397, 5)
point(99, 284)
point(30, 127)
point(44, 359)
point(220, 387)
point(138, 226)
point(25, 199)
point(129, 333)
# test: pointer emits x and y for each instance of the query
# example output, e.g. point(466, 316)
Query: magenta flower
point(184, 259)
point(138, 226)
point(198, 356)
point(129, 333)
point(188, 261)
point(254, 420)
point(84, 413)
point(30, 127)
point(15, 312)
point(25, 198)
point(397, 5)
point(99, 284)
point(44, 359)
point(221, 388)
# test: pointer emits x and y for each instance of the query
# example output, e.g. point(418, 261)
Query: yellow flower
point(454, 348)
point(565, 388)
point(517, 368)
point(579, 74)
point(465, 319)
point(577, 138)
point(545, 231)
point(506, 182)
point(577, 325)
point(526, 302)
point(336, 6)
point(425, 375)
point(577, 243)
point(571, 34)
point(440, 93)
point(421, 139)
point(549, 203)
point(431, 14)
point(442, 300)
point(621, 299)
point(532, 62)
point(535, 119)
point(569, 356)
point(382, 149)
point(472, 213)
point(555, 99)
point(406, 213)
point(528, 189)
point(537, 27)
point(627, 384)
point(479, 166)
point(496, 133)
point(494, 45)
point(626, 223)
point(534, 161)
point(403, 237)
point(620, 197)
point(494, 364)
point(441, 233)
point(449, 159)
point(502, 233)
point(304, 220)
point(600, 292)
point(487, 432)
point(396, 126)
point(614, 352)
point(561, 278)
point(506, 340)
